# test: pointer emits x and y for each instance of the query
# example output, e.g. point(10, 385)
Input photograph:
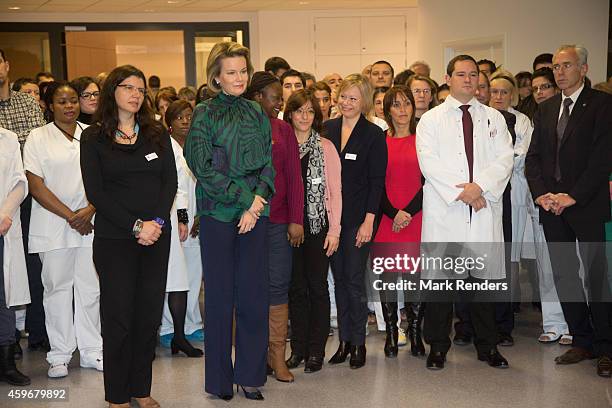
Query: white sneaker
point(401, 337)
point(92, 362)
point(58, 370)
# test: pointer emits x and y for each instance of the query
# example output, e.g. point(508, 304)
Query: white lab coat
point(177, 268)
point(48, 154)
point(441, 154)
point(522, 232)
point(16, 288)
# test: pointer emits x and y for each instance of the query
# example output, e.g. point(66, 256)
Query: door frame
point(57, 37)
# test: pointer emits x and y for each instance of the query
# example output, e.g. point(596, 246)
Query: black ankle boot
point(294, 360)
point(390, 314)
point(341, 354)
point(417, 348)
point(8, 370)
point(358, 356)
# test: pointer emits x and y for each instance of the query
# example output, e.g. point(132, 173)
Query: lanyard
point(68, 134)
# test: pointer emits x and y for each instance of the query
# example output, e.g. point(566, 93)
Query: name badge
point(350, 156)
point(151, 156)
point(315, 181)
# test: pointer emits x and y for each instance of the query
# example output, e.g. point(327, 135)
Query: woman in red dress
point(401, 207)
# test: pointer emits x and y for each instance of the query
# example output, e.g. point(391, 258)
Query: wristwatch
point(137, 228)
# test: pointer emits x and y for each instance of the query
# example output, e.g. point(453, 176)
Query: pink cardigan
point(333, 187)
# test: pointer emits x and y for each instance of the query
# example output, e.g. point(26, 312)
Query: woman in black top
point(129, 175)
point(363, 154)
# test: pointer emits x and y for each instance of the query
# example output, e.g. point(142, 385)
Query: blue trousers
point(235, 270)
point(349, 266)
point(280, 261)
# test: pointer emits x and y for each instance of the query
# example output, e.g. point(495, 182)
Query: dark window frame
point(57, 37)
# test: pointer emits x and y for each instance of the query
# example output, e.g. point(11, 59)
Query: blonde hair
point(508, 77)
point(365, 89)
point(226, 49)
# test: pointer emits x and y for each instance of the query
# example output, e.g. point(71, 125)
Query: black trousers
point(438, 321)
point(132, 289)
point(348, 267)
point(7, 315)
point(309, 297)
point(35, 312)
point(589, 324)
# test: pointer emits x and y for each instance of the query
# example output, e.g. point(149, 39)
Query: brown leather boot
point(279, 316)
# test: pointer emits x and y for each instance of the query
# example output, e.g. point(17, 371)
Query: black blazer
point(364, 166)
point(585, 156)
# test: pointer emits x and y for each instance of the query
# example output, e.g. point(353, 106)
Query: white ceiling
point(191, 6)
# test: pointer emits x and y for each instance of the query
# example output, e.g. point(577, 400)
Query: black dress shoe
point(493, 358)
point(604, 366)
point(358, 356)
point(252, 395)
point(435, 360)
point(341, 354)
point(462, 339)
point(313, 364)
point(294, 361)
point(505, 340)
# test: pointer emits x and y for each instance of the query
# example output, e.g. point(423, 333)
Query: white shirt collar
point(573, 96)
point(453, 103)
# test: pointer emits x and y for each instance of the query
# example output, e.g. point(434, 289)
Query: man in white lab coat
point(465, 153)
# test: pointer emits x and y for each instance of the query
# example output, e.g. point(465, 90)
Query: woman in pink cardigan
point(321, 175)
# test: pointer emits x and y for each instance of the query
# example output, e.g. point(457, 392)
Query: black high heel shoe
point(252, 395)
point(225, 397)
point(186, 348)
point(341, 354)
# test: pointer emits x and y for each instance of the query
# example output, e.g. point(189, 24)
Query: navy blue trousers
point(349, 267)
point(235, 270)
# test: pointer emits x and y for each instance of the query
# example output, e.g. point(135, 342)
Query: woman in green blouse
point(229, 150)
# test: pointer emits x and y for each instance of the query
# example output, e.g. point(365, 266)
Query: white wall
point(531, 28)
point(290, 34)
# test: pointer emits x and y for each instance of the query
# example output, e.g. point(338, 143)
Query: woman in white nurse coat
point(14, 288)
point(180, 276)
point(61, 232)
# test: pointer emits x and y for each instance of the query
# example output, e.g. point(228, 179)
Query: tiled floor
point(533, 380)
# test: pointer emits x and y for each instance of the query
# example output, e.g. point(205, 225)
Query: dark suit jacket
point(364, 166)
point(585, 157)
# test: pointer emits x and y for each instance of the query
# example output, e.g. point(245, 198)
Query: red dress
point(402, 182)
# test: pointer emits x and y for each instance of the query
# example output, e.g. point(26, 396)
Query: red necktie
point(468, 137)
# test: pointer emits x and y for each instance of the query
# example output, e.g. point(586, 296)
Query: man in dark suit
point(567, 167)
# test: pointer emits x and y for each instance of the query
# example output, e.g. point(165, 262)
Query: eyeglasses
point(305, 112)
point(565, 65)
point(425, 91)
point(541, 88)
point(90, 95)
point(132, 88)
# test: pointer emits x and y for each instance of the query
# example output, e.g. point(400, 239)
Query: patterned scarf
point(315, 192)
